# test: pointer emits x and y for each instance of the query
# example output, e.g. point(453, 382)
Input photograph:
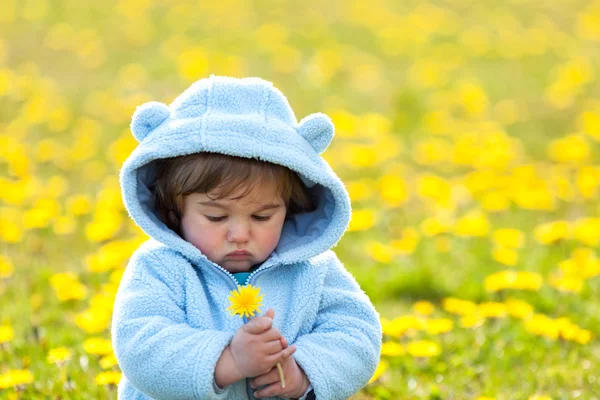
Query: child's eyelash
point(219, 219)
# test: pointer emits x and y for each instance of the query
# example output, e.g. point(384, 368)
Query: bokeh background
point(467, 133)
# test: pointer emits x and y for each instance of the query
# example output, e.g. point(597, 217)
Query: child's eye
point(215, 219)
point(261, 218)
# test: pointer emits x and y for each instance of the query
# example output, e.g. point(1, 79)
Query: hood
point(244, 117)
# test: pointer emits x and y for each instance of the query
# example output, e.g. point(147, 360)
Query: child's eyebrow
point(220, 205)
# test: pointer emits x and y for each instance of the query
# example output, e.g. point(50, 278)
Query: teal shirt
point(241, 277)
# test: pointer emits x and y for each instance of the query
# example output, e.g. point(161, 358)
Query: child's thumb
point(270, 313)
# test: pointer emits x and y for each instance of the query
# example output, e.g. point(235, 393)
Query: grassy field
point(467, 134)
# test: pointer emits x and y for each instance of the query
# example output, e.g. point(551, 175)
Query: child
point(232, 191)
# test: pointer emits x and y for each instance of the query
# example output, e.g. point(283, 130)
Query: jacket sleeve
point(342, 351)
point(158, 352)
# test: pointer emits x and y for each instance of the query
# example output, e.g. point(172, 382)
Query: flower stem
point(281, 375)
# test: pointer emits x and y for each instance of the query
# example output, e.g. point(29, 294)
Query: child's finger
point(258, 325)
point(287, 352)
point(284, 342)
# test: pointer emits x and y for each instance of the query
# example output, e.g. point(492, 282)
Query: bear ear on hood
point(147, 117)
point(318, 130)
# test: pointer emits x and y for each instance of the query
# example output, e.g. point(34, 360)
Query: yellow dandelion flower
point(93, 320)
point(245, 301)
point(583, 336)
point(433, 226)
point(568, 284)
point(59, 355)
point(108, 378)
point(6, 267)
point(474, 223)
point(485, 398)
point(98, 346)
point(542, 325)
point(572, 148)
point(392, 349)
point(423, 308)
point(362, 220)
point(492, 309)
point(379, 252)
point(539, 397)
point(552, 232)
point(15, 378)
point(519, 308)
point(587, 231)
point(439, 325)
point(588, 181)
point(108, 361)
point(408, 243)
point(471, 321)
point(508, 237)
point(381, 368)
point(458, 306)
point(6, 333)
point(423, 349)
point(510, 279)
point(401, 325)
point(506, 256)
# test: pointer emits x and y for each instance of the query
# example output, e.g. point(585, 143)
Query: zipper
point(232, 279)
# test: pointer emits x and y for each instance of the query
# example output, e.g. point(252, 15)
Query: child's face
point(217, 228)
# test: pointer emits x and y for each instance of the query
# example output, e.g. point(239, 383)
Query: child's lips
point(239, 254)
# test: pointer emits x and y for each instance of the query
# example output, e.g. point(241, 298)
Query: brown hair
point(203, 172)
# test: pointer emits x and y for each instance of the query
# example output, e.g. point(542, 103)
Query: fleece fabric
point(170, 323)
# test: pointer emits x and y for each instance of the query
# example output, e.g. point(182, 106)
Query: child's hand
point(296, 381)
point(257, 347)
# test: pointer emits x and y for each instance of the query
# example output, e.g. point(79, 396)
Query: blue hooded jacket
point(170, 323)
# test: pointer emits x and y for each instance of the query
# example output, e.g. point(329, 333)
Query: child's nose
point(239, 233)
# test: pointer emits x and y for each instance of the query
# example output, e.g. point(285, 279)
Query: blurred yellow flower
point(402, 325)
point(511, 279)
point(79, 204)
point(98, 346)
point(379, 252)
point(59, 355)
point(588, 181)
point(439, 325)
point(392, 349)
point(393, 190)
point(511, 238)
point(6, 333)
point(570, 149)
point(16, 377)
point(519, 308)
point(93, 320)
point(474, 223)
point(359, 190)
point(433, 226)
point(425, 308)
point(539, 397)
point(458, 306)
point(495, 201)
point(408, 242)
point(590, 122)
point(492, 309)
point(108, 378)
point(381, 368)
point(471, 321)
point(505, 256)
point(6, 267)
point(552, 232)
point(362, 220)
point(542, 325)
point(108, 361)
point(568, 284)
point(67, 286)
point(435, 188)
point(587, 231)
point(423, 349)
